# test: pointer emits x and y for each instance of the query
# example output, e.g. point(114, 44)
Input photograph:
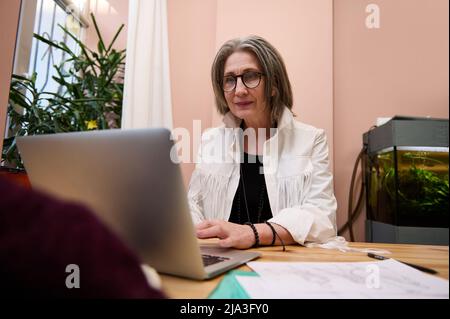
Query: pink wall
point(192, 31)
point(110, 14)
point(9, 18)
point(301, 30)
point(400, 68)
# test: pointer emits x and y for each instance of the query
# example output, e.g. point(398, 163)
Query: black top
point(252, 176)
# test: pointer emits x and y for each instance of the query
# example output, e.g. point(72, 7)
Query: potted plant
point(90, 95)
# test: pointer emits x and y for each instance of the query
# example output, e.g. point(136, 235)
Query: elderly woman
point(262, 178)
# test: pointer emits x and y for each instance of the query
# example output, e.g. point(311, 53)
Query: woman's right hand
point(230, 234)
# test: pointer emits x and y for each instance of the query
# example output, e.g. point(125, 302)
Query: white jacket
point(296, 170)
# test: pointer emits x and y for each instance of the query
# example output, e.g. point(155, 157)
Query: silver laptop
point(128, 179)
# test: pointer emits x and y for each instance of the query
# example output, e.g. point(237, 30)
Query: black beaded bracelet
point(273, 233)
point(276, 233)
point(254, 232)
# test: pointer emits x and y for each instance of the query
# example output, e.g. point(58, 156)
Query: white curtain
point(147, 100)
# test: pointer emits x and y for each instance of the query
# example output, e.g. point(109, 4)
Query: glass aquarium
point(408, 186)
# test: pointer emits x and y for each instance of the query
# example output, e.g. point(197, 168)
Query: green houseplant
point(90, 94)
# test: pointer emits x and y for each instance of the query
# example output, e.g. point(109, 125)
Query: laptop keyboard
point(210, 259)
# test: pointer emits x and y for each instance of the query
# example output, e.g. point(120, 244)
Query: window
point(31, 55)
point(49, 15)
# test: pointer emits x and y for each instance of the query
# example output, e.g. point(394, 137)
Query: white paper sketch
point(379, 279)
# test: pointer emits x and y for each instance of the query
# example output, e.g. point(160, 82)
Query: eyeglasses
point(251, 79)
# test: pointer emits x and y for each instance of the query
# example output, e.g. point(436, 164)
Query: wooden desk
point(435, 257)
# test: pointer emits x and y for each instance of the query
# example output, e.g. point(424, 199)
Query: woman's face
point(245, 103)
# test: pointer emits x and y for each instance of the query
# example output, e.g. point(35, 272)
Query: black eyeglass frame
point(236, 77)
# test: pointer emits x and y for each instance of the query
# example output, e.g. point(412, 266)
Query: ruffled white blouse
point(296, 170)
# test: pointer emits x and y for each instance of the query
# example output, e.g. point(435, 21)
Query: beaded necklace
point(260, 204)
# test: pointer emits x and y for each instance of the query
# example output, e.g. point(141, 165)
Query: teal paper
point(229, 287)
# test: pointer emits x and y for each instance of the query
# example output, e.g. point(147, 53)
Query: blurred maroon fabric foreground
point(40, 236)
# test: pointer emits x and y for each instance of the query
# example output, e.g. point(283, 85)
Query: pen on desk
point(421, 268)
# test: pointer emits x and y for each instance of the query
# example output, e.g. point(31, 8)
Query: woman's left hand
point(230, 234)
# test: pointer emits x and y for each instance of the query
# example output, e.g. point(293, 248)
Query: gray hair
point(272, 66)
